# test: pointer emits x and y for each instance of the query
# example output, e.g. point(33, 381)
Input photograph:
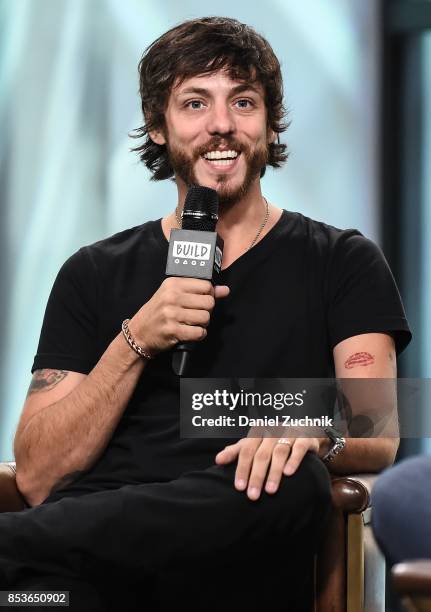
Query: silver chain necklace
point(258, 233)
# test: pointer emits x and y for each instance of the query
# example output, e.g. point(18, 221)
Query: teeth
point(221, 155)
point(220, 162)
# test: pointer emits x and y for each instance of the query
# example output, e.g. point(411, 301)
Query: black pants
point(183, 543)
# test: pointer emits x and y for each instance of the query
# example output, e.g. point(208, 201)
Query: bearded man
point(122, 510)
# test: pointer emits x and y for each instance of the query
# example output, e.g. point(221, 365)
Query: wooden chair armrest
point(352, 493)
point(11, 499)
point(412, 577)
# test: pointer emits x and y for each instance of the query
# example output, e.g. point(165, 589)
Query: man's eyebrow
point(193, 90)
point(246, 87)
point(235, 90)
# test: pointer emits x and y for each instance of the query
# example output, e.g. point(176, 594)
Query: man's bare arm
point(366, 356)
point(69, 418)
point(60, 440)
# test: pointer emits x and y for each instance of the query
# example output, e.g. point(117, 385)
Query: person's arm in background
point(68, 418)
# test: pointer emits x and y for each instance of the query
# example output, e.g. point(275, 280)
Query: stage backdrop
point(68, 98)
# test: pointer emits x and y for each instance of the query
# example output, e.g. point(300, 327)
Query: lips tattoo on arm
point(359, 359)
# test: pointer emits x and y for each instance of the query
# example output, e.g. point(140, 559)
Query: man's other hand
point(260, 458)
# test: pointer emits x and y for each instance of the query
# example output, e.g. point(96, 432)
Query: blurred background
point(357, 79)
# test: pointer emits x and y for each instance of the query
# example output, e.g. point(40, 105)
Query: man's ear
point(271, 137)
point(157, 137)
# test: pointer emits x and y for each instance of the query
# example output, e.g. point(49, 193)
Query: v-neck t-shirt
point(302, 289)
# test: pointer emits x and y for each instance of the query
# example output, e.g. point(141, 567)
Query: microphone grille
point(200, 209)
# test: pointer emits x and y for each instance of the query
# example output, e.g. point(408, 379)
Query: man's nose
point(220, 120)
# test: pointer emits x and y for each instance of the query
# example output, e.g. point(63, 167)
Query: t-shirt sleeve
point(68, 339)
point(363, 295)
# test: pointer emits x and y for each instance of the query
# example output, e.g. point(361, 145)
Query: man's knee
point(311, 482)
point(309, 486)
point(300, 507)
point(303, 505)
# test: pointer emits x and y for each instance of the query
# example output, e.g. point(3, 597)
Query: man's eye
point(243, 103)
point(194, 104)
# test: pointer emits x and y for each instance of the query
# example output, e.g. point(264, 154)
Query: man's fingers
point(221, 291)
point(228, 454)
point(246, 460)
point(194, 317)
point(189, 333)
point(197, 285)
point(202, 300)
point(196, 301)
point(299, 449)
point(262, 459)
point(192, 285)
point(279, 457)
point(255, 455)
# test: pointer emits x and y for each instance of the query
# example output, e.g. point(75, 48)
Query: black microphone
point(195, 251)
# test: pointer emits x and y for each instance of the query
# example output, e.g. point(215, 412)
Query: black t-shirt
point(295, 295)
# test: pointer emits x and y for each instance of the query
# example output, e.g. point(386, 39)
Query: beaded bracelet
point(131, 342)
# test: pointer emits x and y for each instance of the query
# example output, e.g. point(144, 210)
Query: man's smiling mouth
point(221, 158)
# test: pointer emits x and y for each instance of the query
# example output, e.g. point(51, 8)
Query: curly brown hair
point(203, 46)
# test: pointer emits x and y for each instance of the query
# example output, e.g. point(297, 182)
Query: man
point(114, 490)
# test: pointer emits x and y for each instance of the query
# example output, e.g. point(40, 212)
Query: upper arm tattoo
point(359, 359)
point(45, 380)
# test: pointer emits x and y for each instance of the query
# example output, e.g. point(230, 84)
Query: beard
point(255, 160)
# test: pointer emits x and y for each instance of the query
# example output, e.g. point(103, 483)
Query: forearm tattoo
point(359, 359)
point(45, 380)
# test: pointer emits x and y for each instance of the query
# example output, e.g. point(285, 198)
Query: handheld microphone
point(195, 251)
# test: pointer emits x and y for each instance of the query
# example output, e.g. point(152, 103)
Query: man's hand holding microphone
point(179, 311)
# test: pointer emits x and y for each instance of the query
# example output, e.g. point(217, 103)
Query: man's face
point(216, 134)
